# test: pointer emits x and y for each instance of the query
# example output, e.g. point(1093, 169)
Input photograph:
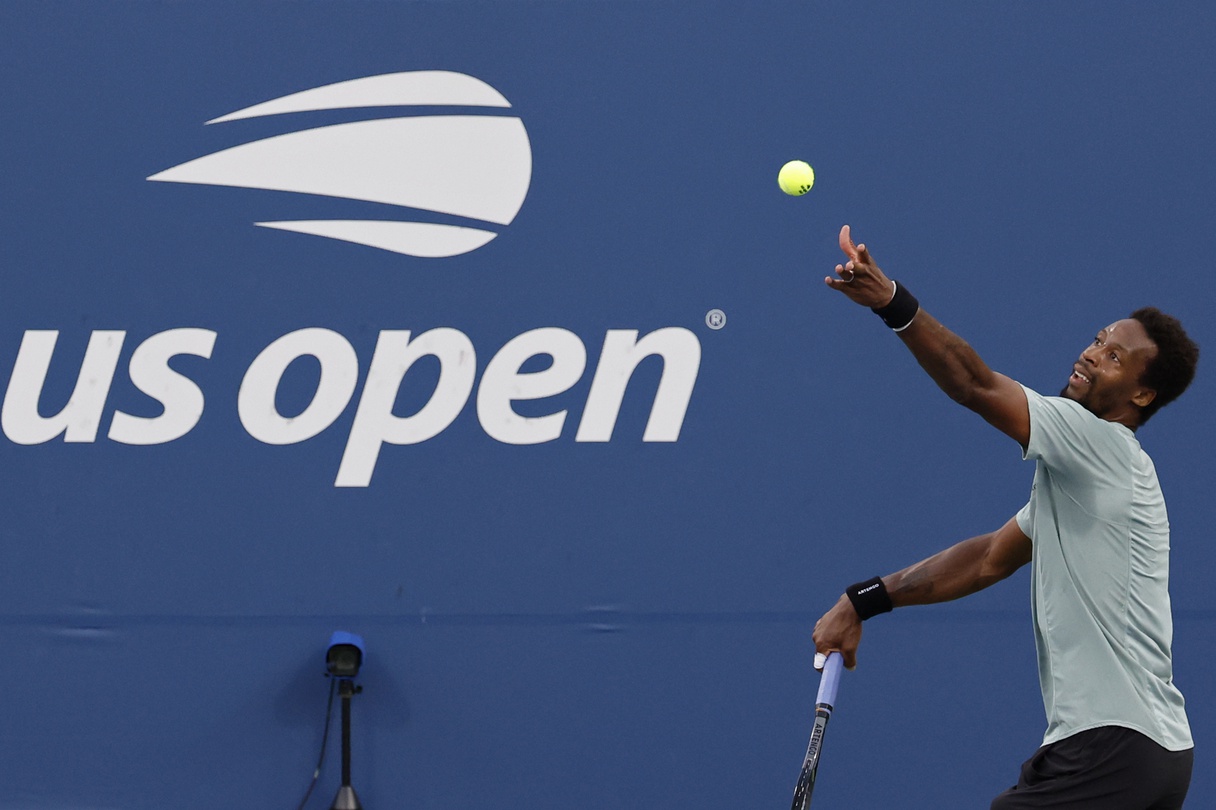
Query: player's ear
point(1143, 397)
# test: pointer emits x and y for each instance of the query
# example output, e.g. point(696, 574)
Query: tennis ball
point(796, 178)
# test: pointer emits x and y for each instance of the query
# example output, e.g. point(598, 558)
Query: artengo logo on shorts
point(474, 167)
point(502, 383)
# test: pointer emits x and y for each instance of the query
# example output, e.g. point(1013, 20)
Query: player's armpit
point(1004, 406)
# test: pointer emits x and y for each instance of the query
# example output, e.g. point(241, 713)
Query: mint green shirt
point(1100, 584)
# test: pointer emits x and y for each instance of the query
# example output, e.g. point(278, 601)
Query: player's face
point(1106, 377)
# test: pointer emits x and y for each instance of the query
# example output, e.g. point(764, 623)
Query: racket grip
point(829, 682)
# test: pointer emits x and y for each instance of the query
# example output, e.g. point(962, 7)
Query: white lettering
point(375, 423)
point(502, 383)
point(681, 353)
point(80, 418)
point(181, 398)
point(339, 375)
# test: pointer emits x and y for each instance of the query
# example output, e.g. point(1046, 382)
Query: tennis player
point(1096, 534)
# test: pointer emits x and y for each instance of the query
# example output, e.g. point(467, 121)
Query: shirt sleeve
point(1024, 521)
point(1067, 438)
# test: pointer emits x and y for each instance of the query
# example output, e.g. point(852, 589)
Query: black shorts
point(1107, 768)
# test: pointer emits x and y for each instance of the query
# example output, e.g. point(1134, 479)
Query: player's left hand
point(859, 277)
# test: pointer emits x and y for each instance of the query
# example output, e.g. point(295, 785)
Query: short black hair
point(1171, 371)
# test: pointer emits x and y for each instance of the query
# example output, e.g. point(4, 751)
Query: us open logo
point(461, 178)
point(474, 167)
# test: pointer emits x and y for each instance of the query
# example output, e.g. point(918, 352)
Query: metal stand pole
point(346, 799)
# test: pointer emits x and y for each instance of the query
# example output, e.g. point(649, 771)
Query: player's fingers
point(863, 255)
point(849, 656)
point(847, 271)
point(846, 243)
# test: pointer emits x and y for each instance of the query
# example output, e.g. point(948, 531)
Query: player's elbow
point(995, 570)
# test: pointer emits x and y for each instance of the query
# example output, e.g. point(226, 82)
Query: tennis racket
point(826, 699)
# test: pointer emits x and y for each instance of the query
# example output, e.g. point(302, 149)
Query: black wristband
point(869, 598)
point(899, 313)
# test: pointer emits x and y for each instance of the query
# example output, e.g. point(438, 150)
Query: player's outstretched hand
point(859, 277)
point(838, 630)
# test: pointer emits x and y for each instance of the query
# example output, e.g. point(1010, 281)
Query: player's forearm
point(958, 571)
point(948, 359)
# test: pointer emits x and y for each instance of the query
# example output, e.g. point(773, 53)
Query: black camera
point(345, 655)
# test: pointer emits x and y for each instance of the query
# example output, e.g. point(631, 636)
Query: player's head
point(1133, 368)
point(1172, 369)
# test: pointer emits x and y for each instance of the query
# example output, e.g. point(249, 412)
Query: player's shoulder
point(1063, 407)
point(1072, 430)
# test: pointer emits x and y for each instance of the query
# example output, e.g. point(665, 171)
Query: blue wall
point(592, 623)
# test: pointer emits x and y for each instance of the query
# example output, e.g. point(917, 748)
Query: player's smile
point(1079, 377)
point(1085, 384)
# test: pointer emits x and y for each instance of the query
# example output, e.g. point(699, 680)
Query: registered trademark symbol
point(715, 319)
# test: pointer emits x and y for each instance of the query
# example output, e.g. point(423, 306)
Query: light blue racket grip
point(830, 680)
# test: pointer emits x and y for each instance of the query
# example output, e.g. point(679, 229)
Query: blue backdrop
point(590, 620)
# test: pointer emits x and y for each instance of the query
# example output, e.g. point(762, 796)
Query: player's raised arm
point(948, 359)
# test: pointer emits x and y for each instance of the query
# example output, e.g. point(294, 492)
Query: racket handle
point(830, 680)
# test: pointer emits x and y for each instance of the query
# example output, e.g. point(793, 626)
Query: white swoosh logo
point(473, 166)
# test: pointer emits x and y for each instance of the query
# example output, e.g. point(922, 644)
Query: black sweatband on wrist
point(869, 598)
point(899, 313)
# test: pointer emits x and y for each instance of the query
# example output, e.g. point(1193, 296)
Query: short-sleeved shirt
point(1100, 594)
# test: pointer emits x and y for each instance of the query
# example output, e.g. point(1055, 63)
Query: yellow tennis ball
point(796, 178)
